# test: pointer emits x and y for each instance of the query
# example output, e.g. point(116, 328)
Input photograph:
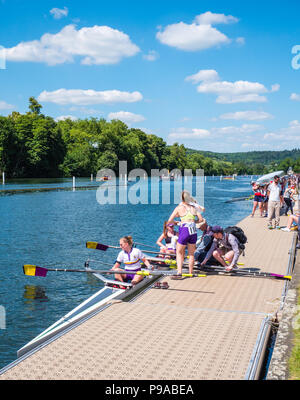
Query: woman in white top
point(131, 257)
point(170, 237)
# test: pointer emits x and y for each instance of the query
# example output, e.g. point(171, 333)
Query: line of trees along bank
point(35, 145)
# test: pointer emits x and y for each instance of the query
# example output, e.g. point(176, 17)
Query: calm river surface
point(51, 228)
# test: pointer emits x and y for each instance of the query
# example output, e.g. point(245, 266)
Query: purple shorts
point(186, 235)
point(130, 276)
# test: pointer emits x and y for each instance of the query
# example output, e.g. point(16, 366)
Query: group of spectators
point(278, 196)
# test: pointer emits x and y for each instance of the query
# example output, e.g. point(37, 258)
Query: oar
point(104, 247)
point(244, 272)
point(34, 270)
point(143, 244)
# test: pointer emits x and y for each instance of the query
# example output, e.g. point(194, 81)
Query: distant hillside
point(261, 157)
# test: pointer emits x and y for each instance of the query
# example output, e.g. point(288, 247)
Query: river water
point(51, 228)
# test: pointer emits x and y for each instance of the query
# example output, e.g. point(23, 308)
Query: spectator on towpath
point(273, 191)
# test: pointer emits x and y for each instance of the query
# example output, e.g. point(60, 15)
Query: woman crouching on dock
point(131, 257)
point(189, 213)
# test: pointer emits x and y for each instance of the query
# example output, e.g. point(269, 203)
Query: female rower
point(189, 215)
point(258, 199)
point(170, 237)
point(131, 257)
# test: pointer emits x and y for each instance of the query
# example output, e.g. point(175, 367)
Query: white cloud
point(210, 18)
point(185, 133)
point(228, 92)
point(237, 130)
point(151, 56)
point(275, 88)
point(126, 117)
point(206, 75)
point(87, 97)
point(295, 96)
point(5, 106)
point(95, 45)
point(198, 35)
point(59, 13)
point(290, 134)
point(247, 115)
point(64, 117)
point(240, 40)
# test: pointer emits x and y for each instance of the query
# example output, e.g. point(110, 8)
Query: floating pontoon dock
point(200, 328)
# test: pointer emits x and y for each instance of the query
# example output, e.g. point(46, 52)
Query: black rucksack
point(239, 234)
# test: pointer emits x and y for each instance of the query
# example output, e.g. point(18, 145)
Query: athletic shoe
point(277, 227)
point(270, 227)
point(286, 229)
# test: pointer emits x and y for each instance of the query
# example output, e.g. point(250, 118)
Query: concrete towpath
point(200, 328)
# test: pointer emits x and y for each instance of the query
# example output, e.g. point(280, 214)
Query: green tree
point(34, 106)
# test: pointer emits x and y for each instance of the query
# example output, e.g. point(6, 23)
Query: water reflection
point(33, 292)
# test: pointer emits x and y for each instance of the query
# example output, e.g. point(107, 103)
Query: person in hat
point(224, 249)
point(169, 236)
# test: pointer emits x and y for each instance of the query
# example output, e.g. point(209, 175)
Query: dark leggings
point(289, 205)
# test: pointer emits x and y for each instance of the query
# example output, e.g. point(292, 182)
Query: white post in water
point(3, 178)
point(205, 179)
point(74, 183)
point(221, 177)
point(92, 177)
point(125, 179)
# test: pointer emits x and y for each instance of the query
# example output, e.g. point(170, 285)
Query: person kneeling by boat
point(203, 246)
point(225, 248)
point(131, 257)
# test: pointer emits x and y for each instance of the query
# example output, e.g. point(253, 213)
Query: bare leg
point(217, 254)
point(191, 252)
point(254, 208)
point(180, 250)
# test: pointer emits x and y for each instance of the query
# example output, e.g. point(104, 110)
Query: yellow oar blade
point(33, 270)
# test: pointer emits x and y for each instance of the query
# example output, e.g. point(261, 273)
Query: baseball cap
point(217, 229)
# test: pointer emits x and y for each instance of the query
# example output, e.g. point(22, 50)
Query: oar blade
point(34, 270)
point(96, 246)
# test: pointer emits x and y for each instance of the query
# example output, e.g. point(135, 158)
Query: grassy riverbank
point(294, 361)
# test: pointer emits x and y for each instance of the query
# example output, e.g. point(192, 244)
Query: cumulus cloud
point(186, 133)
point(247, 115)
point(228, 92)
point(96, 45)
point(198, 35)
point(151, 56)
point(126, 117)
point(59, 12)
point(5, 106)
point(87, 97)
point(64, 117)
point(295, 97)
point(290, 134)
point(236, 130)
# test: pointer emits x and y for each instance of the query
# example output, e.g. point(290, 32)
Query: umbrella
point(267, 178)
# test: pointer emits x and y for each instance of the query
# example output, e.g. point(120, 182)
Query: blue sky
point(212, 75)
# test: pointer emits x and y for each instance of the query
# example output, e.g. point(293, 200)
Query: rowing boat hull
point(93, 305)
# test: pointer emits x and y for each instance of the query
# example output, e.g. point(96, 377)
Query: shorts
point(129, 276)
point(186, 236)
point(259, 199)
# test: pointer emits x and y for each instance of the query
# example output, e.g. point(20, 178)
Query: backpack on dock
point(239, 234)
